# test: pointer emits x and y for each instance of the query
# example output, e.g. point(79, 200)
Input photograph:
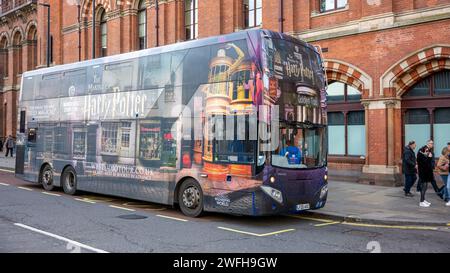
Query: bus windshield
point(301, 146)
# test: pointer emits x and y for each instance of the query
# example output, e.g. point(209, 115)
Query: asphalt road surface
point(32, 220)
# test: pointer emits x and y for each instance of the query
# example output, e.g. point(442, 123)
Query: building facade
point(387, 61)
point(18, 53)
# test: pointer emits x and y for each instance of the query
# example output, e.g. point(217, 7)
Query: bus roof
point(162, 49)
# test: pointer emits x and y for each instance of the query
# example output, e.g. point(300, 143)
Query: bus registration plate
point(302, 207)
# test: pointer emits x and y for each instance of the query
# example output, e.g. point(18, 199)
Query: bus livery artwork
point(231, 124)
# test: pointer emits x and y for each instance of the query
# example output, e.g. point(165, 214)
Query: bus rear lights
point(272, 179)
point(323, 191)
point(274, 193)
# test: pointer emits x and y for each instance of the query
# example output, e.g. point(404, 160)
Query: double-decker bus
point(233, 124)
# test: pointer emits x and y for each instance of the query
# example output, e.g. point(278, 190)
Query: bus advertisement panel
point(232, 124)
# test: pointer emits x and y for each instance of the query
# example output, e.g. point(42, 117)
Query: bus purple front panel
point(301, 190)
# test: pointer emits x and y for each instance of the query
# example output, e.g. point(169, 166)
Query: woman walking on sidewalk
point(425, 166)
point(443, 166)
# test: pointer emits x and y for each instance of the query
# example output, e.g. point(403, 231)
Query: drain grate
point(131, 217)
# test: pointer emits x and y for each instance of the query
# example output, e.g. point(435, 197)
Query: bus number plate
point(302, 206)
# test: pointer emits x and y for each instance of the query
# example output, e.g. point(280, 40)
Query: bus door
point(29, 153)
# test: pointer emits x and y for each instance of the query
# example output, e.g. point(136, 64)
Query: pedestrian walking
point(1, 144)
point(437, 190)
point(425, 168)
point(443, 167)
point(9, 146)
point(409, 167)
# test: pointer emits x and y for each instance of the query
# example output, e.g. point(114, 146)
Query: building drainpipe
point(280, 18)
point(93, 29)
point(157, 22)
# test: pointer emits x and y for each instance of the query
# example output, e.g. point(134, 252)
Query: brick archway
point(86, 11)
point(346, 73)
point(411, 69)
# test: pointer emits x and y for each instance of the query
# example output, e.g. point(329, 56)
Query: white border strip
point(60, 238)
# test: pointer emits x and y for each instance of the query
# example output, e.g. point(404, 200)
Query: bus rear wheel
point(46, 178)
point(69, 181)
point(190, 198)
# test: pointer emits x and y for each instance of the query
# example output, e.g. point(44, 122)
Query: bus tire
point(69, 181)
point(190, 198)
point(46, 178)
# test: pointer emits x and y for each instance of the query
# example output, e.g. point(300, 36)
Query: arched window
point(346, 121)
point(103, 33)
point(32, 48)
point(3, 58)
point(17, 47)
point(142, 25)
point(426, 111)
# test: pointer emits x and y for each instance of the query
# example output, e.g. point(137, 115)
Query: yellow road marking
point(312, 218)
point(8, 171)
point(24, 188)
point(389, 226)
point(327, 224)
point(85, 200)
point(256, 234)
point(49, 193)
point(117, 207)
point(173, 218)
point(4, 184)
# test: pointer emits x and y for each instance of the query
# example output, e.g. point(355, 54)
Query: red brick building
point(18, 53)
point(387, 61)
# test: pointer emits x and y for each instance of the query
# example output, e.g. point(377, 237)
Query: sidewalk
point(7, 162)
point(383, 205)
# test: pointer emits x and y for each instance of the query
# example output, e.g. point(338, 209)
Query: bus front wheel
point(190, 198)
point(69, 181)
point(46, 178)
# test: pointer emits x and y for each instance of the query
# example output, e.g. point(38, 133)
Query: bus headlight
point(272, 179)
point(323, 191)
point(274, 193)
point(325, 177)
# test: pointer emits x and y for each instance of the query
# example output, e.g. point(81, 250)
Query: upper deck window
point(329, 5)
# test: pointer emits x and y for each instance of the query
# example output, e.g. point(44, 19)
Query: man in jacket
point(9, 145)
point(409, 167)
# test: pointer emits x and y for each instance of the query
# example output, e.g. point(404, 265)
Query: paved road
point(34, 221)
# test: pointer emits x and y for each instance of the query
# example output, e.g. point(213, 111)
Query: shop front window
point(109, 137)
point(150, 141)
point(79, 143)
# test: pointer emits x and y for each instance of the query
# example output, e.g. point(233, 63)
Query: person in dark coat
point(409, 167)
point(437, 190)
point(425, 167)
point(1, 144)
